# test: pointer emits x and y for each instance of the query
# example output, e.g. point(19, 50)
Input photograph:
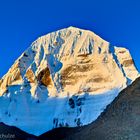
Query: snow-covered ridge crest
point(63, 75)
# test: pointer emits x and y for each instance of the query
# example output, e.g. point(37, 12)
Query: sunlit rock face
point(65, 78)
point(126, 62)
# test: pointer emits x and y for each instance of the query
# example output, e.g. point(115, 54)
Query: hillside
point(120, 121)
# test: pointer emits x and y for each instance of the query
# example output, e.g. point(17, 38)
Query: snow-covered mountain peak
point(72, 28)
point(69, 76)
point(69, 46)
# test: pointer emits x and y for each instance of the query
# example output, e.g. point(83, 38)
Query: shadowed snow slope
point(65, 78)
point(120, 121)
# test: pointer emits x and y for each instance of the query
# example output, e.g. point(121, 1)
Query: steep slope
point(65, 78)
point(120, 121)
point(13, 133)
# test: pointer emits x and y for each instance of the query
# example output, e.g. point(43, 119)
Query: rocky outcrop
point(44, 77)
point(0, 82)
point(31, 76)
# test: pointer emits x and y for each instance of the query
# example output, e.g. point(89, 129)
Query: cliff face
point(71, 74)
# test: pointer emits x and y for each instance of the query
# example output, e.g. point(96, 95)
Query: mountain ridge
point(65, 74)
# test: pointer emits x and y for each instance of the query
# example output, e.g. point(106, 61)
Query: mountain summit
point(65, 78)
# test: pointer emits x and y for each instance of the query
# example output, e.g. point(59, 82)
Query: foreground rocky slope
point(120, 121)
point(65, 78)
point(13, 133)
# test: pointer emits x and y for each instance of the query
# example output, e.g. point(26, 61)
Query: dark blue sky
point(22, 21)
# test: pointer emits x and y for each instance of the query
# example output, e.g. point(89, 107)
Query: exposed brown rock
point(84, 68)
point(122, 51)
point(1, 82)
point(77, 68)
point(56, 44)
point(99, 79)
point(68, 34)
point(68, 76)
point(44, 77)
point(30, 75)
point(83, 55)
point(127, 63)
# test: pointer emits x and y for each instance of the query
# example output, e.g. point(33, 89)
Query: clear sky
point(22, 21)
